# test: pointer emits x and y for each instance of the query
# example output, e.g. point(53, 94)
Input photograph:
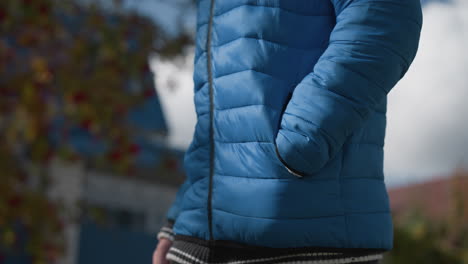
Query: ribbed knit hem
point(189, 250)
point(166, 231)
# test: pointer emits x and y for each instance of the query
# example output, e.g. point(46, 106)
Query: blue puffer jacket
point(291, 100)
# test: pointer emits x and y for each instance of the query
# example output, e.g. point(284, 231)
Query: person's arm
point(172, 213)
point(371, 47)
point(166, 235)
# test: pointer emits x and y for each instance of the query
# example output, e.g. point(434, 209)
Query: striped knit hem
point(185, 251)
point(166, 231)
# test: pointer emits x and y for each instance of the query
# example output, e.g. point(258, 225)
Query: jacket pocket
point(285, 164)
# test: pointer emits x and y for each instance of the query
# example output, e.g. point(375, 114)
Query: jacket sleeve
point(370, 49)
point(173, 212)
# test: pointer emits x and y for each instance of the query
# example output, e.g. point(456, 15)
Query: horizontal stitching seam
point(267, 41)
point(205, 113)
point(194, 182)
point(264, 6)
point(278, 218)
point(361, 178)
point(240, 71)
point(253, 70)
point(365, 143)
point(196, 148)
point(279, 178)
point(370, 44)
point(355, 72)
point(371, 212)
point(303, 218)
point(203, 52)
point(192, 209)
point(242, 106)
point(314, 179)
point(386, 2)
point(199, 87)
point(262, 178)
point(354, 103)
point(243, 142)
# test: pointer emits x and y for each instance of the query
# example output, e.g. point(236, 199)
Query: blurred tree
point(419, 241)
point(421, 238)
point(69, 76)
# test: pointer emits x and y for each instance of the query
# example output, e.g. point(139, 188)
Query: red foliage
point(134, 149)
point(116, 155)
point(86, 124)
point(2, 14)
point(149, 93)
point(15, 201)
point(79, 97)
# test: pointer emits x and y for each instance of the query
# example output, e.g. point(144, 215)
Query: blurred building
point(437, 199)
point(114, 219)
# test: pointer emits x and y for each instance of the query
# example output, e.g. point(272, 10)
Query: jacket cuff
point(166, 230)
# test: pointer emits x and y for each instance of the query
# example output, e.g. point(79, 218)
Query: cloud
point(177, 102)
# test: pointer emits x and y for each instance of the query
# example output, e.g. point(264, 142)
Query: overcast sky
point(427, 118)
point(427, 128)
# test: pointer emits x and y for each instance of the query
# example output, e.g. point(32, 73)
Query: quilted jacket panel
point(291, 99)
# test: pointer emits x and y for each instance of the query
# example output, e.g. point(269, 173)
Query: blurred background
point(96, 111)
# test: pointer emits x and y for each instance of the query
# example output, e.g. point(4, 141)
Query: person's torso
point(249, 56)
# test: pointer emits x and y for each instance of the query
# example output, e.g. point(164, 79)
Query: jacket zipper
point(211, 95)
